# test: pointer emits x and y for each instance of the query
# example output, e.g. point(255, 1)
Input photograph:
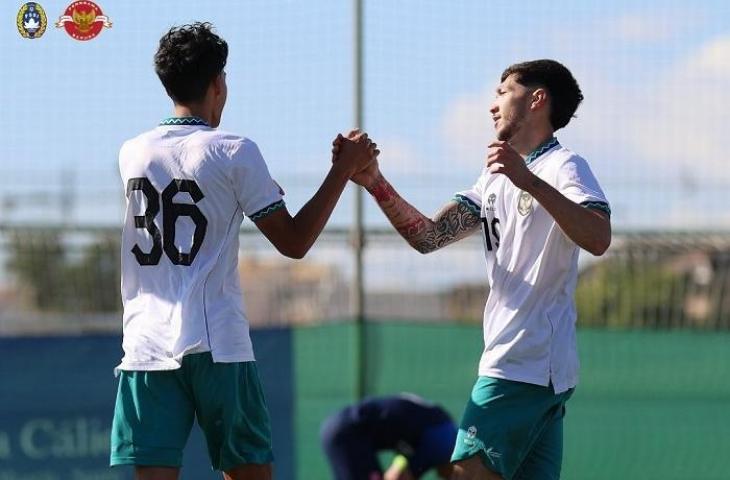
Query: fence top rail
point(379, 230)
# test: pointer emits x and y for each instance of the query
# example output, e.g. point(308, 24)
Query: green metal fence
point(650, 405)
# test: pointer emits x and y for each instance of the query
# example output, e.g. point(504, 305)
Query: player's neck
point(528, 139)
point(199, 111)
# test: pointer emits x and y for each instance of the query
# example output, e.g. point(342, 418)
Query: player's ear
point(539, 99)
point(218, 84)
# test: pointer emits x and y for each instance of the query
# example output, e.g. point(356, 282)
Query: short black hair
point(562, 87)
point(188, 59)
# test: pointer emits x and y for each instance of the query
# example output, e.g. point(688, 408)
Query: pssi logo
point(32, 21)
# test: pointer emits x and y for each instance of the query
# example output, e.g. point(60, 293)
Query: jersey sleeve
point(576, 181)
point(257, 193)
point(472, 198)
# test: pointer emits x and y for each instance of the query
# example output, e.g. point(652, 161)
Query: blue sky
point(654, 74)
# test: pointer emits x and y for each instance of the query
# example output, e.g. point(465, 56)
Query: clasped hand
point(359, 156)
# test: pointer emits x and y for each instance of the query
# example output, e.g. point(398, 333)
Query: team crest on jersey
point(83, 20)
point(491, 199)
point(32, 20)
point(524, 204)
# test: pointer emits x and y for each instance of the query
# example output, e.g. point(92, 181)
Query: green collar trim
point(194, 121)
point(543, 148)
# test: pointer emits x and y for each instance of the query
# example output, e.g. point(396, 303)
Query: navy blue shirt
point(399, 423)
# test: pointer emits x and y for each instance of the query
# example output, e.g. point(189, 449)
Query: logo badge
point(83, 20)
point(32, 21)
point(494, 455)
point(524, 204)
point(490, 202)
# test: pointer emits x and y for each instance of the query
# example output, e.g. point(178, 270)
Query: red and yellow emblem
point(83, 20)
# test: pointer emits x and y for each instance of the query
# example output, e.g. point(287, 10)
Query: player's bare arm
point(294, 236)
point(452, 223)
point(589, 229)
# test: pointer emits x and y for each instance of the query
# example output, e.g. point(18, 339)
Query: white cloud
point(711, 61)
point(665, 139)
point(633, 29)
point(637, 28)
point(685, 117)
point(398, 156)
point(467, 127)
point(661, 136)
point(681, 117)
point(650, 27)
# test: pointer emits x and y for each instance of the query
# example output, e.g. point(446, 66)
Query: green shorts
point(155, 410)
point(516, 428)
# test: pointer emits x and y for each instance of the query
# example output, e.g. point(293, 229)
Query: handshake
point(357, 157)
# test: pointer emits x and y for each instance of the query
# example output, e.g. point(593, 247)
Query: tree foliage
point(64, 276)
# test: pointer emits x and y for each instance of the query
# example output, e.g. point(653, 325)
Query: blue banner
point(57, 398)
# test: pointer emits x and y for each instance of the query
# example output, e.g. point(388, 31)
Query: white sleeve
point(257, 193)
point(576, 181)
point(472, 198)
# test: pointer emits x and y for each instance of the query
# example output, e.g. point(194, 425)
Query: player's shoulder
point(142, 140)
point(144, 137)
point(215, 144)
point(563, 156)
point(484, 176)
point(213, 137)
point(223, 142)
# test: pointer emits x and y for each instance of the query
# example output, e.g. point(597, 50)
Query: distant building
point(461, 303)
point(659, 280)
point(283, 292)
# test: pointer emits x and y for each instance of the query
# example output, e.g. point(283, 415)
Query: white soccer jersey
point(188, 187)
point(529, 317)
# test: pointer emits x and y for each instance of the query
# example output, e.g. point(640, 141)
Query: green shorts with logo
point(516, 428)
point(155, 410)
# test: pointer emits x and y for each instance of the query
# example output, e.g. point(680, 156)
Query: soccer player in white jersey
point(187, 351)
point(536, 203)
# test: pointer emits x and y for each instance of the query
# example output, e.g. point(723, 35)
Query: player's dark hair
point(188, 59)
point(564, 92)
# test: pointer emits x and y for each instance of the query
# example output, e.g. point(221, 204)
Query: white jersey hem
point(145, 367)
point(233, 358)
point(543, 381)
point(174, 364)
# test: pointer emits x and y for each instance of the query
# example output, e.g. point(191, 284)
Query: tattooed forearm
point(413, 228)
point(452, 223)
point(382, 190)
